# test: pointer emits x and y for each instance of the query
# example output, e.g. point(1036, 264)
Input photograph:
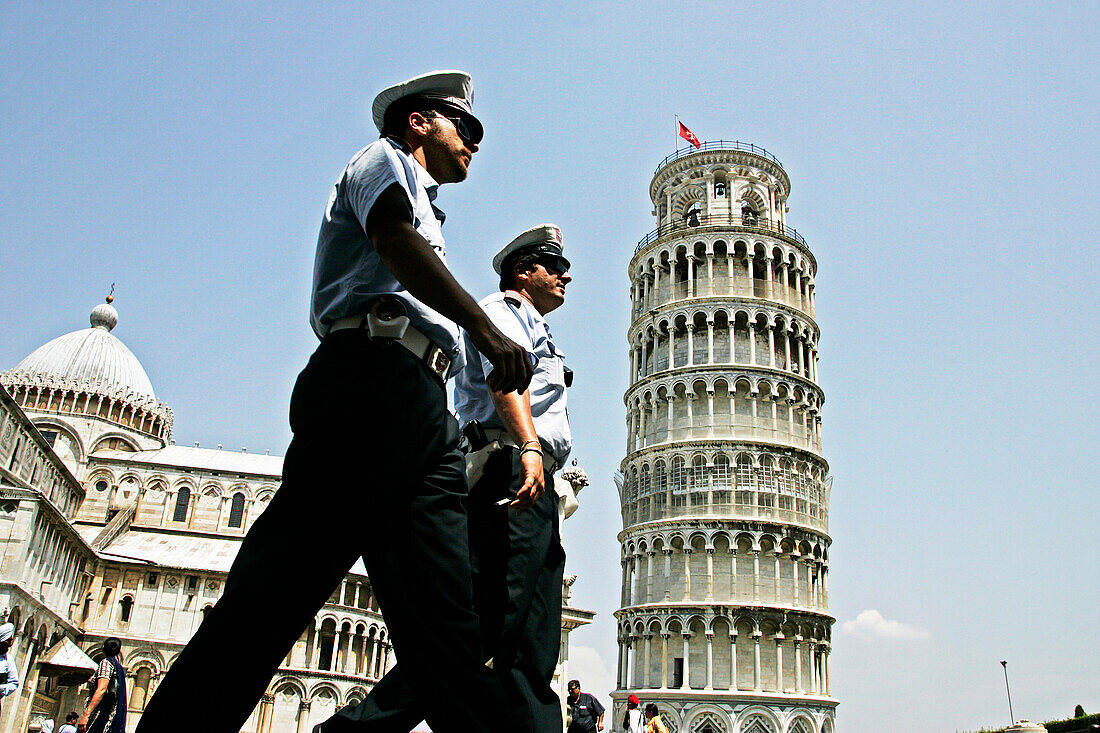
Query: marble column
point(303, 716)
point(315, 656)
point(687, 573)
point(668, 573)
point(756, 660)
point(710, 574)
point(733, 660)
point(686, 682)
point(710, 660)
point(779, 662)
point(756, 576)
point(664, 661)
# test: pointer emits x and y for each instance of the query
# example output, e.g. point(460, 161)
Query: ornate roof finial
point(104, 315)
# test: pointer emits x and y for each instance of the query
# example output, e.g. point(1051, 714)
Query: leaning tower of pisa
point(724, 621)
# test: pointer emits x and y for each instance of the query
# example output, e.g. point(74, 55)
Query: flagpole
point(676, 145)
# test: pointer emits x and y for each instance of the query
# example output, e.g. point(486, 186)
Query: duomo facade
point(113, 530)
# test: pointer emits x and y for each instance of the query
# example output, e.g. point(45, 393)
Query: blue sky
point(943, 160)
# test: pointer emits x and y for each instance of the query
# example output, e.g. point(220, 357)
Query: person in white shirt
point(70, 724)
point(634, 721)
point(9, 675)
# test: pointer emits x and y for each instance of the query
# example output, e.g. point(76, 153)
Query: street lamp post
point(1009, 691)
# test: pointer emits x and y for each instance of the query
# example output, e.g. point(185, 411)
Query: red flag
point(688, 135)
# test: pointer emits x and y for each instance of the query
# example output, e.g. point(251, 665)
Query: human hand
point(534, 480)
point(512, 368)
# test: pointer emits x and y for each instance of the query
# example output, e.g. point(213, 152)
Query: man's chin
point(458, 174)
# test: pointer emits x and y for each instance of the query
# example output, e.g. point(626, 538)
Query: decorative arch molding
point(52, 422)
point(357, 693)
point(212, 488)
point(239, 487)
point(328, 687)
point(763, 718)
point(756, 195)
point(95, 476)
point(184, 482)
point(156, 481)
point(114, 434)
point(329, 616)
point(146, 655)
point(686, 196)
point(801, 722)
point(708, 719)
point(289, 682)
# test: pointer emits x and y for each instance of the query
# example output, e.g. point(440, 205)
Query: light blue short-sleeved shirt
point(348, 275)
point(9, 675)
point(519, 321)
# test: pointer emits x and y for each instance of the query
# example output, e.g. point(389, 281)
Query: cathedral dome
point(92, 363)
point(91, 359)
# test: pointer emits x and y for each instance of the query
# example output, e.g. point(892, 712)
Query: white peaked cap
point(452, 86)
point(547, 235)
point(7, 631)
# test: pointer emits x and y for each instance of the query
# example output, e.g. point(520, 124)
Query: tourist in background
point(9, 675)
point(633, 722)
point(585, 711)
point(106, 710)
point(70, 724)
point(654, 723)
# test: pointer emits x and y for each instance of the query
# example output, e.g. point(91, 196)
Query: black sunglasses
point(555, 265)
point(461, 127)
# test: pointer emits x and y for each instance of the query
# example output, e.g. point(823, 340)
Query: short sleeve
point(106, 670)
point(504, 318)
point(596, 704)
point(374, 170)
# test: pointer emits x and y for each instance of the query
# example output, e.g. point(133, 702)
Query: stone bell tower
point(724, 620)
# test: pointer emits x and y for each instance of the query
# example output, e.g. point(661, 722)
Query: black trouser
point(518, 568)
point(373, 470)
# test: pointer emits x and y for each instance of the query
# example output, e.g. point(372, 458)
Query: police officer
point(374, 468)
point(518, 441)
point(514, 530)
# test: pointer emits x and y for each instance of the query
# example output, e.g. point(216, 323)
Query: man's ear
point(419, 124)
point(519, 270)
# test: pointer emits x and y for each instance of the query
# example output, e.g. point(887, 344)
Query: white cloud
point(870, 624)
point(586, 665)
